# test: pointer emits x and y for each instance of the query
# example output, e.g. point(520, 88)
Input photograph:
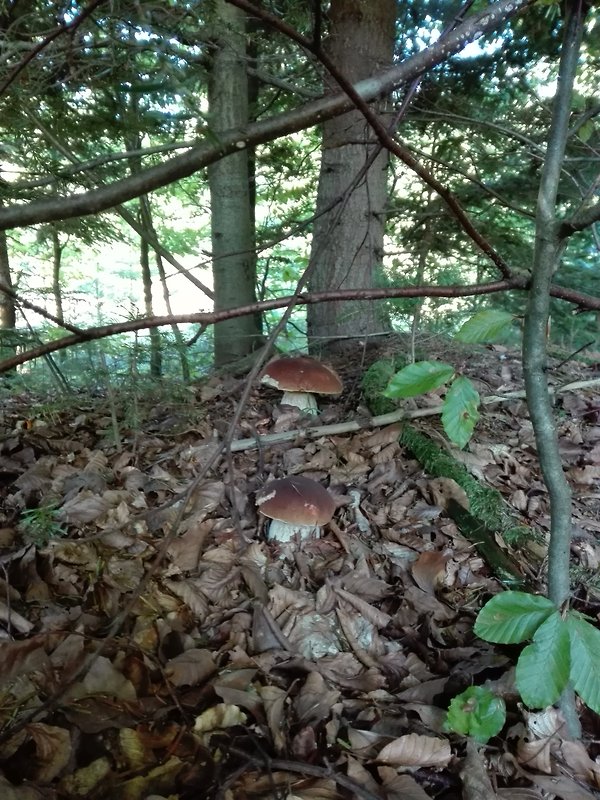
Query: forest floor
point(154, 644)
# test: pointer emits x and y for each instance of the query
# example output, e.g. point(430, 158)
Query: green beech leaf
point(543, 666)
point(418, 378)
point(512, 617)
point(485, 326)
point(585, 659)
point(460, 411)
point(476, 712)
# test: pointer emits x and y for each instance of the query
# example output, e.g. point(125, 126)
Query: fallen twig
point(314, 432)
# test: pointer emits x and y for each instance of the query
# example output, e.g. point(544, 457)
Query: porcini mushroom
point(297, 506)
point(300, 378)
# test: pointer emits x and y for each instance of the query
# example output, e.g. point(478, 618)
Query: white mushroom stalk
point(303, 400)
point(280, 531)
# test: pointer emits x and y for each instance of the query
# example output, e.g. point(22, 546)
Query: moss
point(374, 382)
point(486, 503)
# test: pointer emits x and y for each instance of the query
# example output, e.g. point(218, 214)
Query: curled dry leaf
point(378, 618)
point(401, 787)
point(218, 717)
point(429, 570)
point(190, 668)
point(474, 776)
point(315, 700)
point(580, 764)
point(445, 489)
point(413, 750)
point(536, 755)
point(52, 751)
point(274, 700)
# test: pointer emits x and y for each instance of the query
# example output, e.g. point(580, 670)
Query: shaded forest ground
point(154, 644)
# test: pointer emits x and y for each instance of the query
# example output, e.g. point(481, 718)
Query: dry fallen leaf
point(413, 750)
point(218, 717)
point(52, 751)
point(401, 787)
point(429, 570)
point(314, 700)
point(190, 668)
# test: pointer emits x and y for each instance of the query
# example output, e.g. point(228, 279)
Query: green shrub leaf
point(543, 667)
point(485, 326)
point(512, 617)
point(418, 378)
point(476, 712)
point(585, 659)
point(460, 411)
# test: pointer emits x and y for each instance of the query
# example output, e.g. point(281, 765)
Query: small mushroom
point(297, 506)
point(300, 378)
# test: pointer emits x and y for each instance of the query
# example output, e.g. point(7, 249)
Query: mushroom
point(297, 506)
point(300, 378)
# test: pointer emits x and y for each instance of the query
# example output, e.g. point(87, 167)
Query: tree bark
point(8, 315)
point(155, 343)
point(177, 335)
point(347, 246)
point(232, 213)
point(56, 266)
point(547, 256)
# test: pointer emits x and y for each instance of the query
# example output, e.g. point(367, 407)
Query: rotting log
point(485, 521)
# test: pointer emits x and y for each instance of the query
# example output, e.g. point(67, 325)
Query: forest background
point(171, 158)
point(183, 182)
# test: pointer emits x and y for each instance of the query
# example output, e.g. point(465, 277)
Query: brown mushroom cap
point(301, 374)
point(296, 500)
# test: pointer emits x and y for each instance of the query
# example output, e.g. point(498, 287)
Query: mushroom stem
point(302, 400)
point(280, 531)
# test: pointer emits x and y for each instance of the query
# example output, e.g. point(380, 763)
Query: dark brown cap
point(296, 500)
point(301, 374)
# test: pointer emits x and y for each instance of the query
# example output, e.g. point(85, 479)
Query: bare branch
point(210, 318)
point(582, 220)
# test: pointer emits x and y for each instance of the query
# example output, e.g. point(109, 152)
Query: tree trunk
point(7, 304)
point(232, 217)
point(155, 344)
point(347, 245)
point(177, 335)
point(56, 265)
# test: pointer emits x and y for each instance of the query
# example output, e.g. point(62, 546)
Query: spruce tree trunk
point(56, 265)
point(347, 246)
point(8, 314)
point(231, 195)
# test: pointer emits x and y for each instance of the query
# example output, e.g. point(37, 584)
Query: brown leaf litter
point(154, 644)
